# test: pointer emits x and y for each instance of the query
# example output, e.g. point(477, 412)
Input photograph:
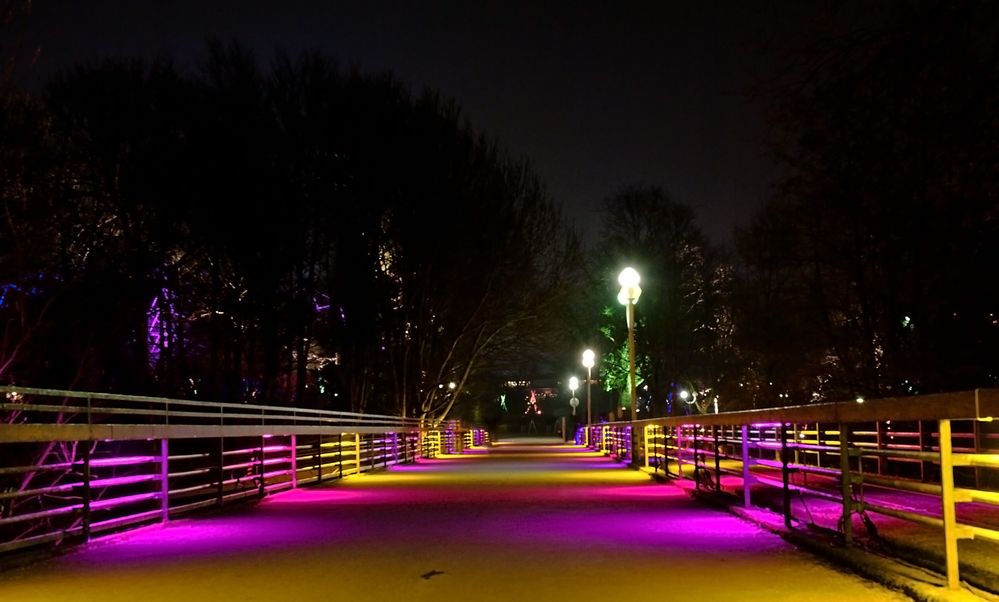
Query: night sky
point(597, 96)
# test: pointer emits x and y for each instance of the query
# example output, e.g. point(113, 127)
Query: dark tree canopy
point(299, 233)
point(682, 327)
point(872, 271)
point(303, 233)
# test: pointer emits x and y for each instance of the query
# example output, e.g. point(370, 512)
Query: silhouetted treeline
point(872, 270)
point(296, 233)
point(301, 233)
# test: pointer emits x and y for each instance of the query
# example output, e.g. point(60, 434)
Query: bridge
point(369, 507)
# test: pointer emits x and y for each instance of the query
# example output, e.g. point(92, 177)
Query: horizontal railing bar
point(193, 488)
point(981, 404)
point(123, 461)
point(109, 503)
point(240, 452)
point(185, 402)
point(984, 533)
point(903, 484)
point(977, 495)
point(41, 514)
point(37, 433)
point(182, 508)
point(129, 480)
point(190, 456)
point(8, 495)
point(130, 519)
point(39, 468)
point(980, 460)
point(189, 473)
point(963, 531)
point(351, 419)
point(35, 540)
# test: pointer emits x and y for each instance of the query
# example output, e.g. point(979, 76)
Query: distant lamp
point(589, 360)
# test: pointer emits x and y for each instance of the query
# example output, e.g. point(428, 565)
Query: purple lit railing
point(73, 464)
point(943, 446)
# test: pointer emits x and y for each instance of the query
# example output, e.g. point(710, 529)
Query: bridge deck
point(524, 520)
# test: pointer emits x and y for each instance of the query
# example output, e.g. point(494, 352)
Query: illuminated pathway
point(521, 522)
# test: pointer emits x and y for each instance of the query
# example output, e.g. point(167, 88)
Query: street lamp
point(573, 385)
point(588, 364)
point(628, 296)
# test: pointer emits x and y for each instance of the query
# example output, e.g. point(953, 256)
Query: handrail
point(849, 443)
point(977, 404)
point(114, 461)
point(213, 405)
point(117, 416)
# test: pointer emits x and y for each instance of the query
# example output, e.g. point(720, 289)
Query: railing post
point(164, 480)
point(747, 476)
point(263, 467)
point(679, 451)
point(633, 444)
point(85, 518)
point(881, 443)
point(645, 443)
point(294, 461)
point(714, 433)
point(925, 444)
point(796, 438)
point(977, 426)
point(339, 454)
point(785, 474)
point(697, 450)
point(220, 491)
point(846, 488)
point(319, 458)
point(357, 451)
point(947, 499)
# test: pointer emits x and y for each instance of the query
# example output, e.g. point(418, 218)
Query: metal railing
point(73, 463)
point(942, 446)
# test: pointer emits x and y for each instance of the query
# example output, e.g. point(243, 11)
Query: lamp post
point(628, 296)
point(573, 385)
point(588, 362)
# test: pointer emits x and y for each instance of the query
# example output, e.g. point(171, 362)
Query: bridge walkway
point(520, 520)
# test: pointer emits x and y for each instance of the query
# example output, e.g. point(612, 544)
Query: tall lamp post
point(588, 362)
point(628, 296)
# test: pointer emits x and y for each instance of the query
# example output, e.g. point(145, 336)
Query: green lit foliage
point(682, 328)
point(614, 376)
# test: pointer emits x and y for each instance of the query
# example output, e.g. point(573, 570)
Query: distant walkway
point(528, 520)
